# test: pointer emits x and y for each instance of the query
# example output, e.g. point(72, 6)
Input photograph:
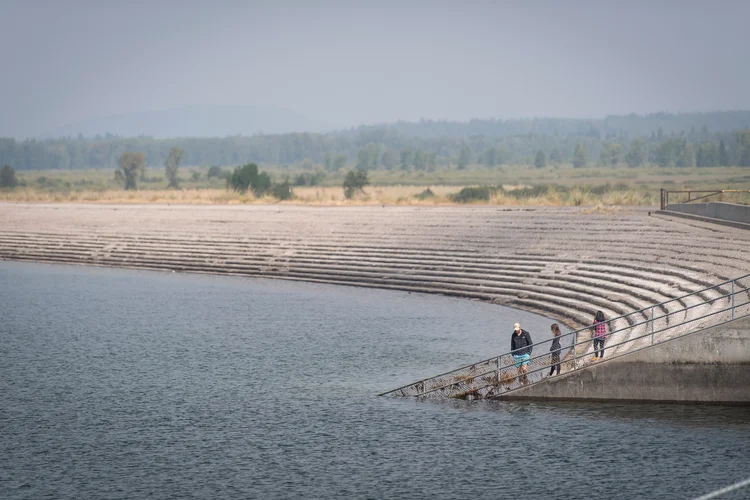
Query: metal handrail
point(567, 359)
point(574, 358)
point(665, 194)
point(544, 368)
point(724, 491)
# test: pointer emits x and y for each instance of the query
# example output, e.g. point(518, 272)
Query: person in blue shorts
point(521, 346)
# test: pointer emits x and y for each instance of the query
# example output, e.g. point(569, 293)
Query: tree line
point(418, 146)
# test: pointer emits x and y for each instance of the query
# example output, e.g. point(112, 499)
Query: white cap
point(517, 326)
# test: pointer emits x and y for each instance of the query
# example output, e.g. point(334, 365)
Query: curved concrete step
point(562, 261)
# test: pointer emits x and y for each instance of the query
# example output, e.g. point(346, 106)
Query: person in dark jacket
point(555, 350)
point(521, 346)
point(600, 335)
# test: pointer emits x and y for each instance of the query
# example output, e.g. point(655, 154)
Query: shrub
point(355, 181)
point(427, 193)
point(8, 177)
point(282, 191)
point(247, 177)
point(218, 172)
point(262, 185)
point(243, 177)
point(536, 191)
point(603, 189)
point(469, 194)
point(579, 196)
point(313, 179)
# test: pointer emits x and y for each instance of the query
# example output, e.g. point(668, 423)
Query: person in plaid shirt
point(600, 335)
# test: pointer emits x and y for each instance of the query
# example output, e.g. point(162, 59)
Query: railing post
point(652, 325)
point(575, 346)
point(732, 299)
point(662, 198)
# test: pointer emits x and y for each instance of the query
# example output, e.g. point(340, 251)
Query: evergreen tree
point(708, 155)
point(405, 159)
point(743, 148)
point(687, 156)
point(580, 157)
point(367, 158)
point(541, 159)
point(420, 160)
point(611, 154)
point(555, 157)
point(745, 158)
point(389, 160)
point(464, 157)
point(243, 178)
point(723, 155)
point(339, 162)
point(668, 151)
point(637, 154)
point(489, 157)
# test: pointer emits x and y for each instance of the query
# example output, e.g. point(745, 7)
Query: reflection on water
point(124, 384)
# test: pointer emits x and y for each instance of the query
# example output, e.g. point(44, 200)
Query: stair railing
point(647, 327)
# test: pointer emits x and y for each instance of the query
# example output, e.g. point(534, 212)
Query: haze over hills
point(195, 121)
point(247, 121)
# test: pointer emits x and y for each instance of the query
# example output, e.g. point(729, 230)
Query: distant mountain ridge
point(195, 121)
point(228, 121)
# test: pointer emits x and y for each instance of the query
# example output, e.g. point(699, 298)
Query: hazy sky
point(347, 63)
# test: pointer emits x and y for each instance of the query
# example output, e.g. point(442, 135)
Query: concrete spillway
point(565, 263)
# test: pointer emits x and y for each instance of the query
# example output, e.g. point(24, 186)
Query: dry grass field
point(328, 195)
point(521, 185)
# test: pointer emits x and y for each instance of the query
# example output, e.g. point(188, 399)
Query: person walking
point(555, 350)
point(600, 335)
point(521, 346)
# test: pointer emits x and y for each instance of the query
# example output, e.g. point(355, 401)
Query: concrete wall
point(723, 211)
point(709, 366)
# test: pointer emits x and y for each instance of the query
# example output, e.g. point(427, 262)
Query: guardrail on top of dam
point(664, 194)
point(647, 327)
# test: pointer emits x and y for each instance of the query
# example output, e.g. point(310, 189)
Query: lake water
point(127, 384)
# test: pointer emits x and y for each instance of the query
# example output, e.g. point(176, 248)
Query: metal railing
point(704, 194)
point(728, 489)
point(637, 330)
